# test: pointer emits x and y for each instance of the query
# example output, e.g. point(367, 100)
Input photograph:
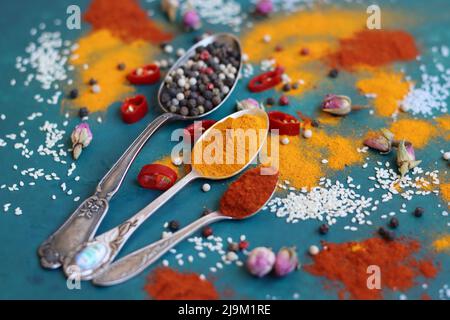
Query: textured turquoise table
point(20, 273)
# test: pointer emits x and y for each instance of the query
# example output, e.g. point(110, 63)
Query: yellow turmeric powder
point(389, 89)
point(229, 146)
point(418, 132)
point(445, 191)
point(97, 58)
point(316, 31)
point(444, 125)
point(340, 151)
point(300, 161)
point(442, 243)
point(297, 162)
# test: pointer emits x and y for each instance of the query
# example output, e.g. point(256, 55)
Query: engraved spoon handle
point(113, 240)
point(83, 223)
point(136, 262)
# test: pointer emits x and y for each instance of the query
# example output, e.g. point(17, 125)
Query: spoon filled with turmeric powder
point(244, 198)
point(223, 151)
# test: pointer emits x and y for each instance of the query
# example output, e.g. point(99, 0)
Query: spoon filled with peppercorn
point(195, 86)
point(93, 257)
point(244, 198)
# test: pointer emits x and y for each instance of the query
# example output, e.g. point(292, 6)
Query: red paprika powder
point(374, 48)
point(124, 19)
point(168, 284)
point(249, 193)
point(346, 265)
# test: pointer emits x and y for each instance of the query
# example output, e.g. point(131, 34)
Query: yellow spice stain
point(444, 125)
point(442, 243)
point(389, 89)
point(102, 52)
point(340, 151)
point(418, 132)
point(445, 191)
point(296, 161)
point(318, 31)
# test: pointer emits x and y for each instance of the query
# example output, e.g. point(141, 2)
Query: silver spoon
point(93, 257)
point(136, 262)
point(83, 223)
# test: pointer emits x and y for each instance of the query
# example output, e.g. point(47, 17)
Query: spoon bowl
point(220, 38)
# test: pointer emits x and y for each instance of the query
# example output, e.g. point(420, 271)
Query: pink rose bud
point(381, 142)
point(337, 105)
point(191, 20)
point(260, 261)
point(286, 261)
point(81, 138)
point(264, 7)
point(247, 104)
point(406, 158)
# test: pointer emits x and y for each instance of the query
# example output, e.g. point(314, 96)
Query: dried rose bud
point(406, 158)
point(381, 142)
point(191, 20)
point(264, 7)
point(170, 7)
point(81, 138)
point(260, 261)
point(248, 104)
point(286, 261)
point(337, 105)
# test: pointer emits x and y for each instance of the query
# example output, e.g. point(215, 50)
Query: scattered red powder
point(168, 284)
point(124, 19)
point(374, 48)
point(346, 265)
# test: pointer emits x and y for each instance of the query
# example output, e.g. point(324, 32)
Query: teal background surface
point(21, 276)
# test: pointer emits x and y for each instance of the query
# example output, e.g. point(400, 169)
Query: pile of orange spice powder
point(374, 48)
point(124, 19)
point(165, 283)
point(346, 265)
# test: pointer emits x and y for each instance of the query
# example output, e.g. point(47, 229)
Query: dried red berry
point(284, 100)
point(243, 245)
point(207, 231)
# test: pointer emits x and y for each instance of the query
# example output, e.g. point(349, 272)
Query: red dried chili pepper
point(285, 123)
point(198, 127)
point(148, 74)
point(266, 80)
point(157, 177)
point(134, 109)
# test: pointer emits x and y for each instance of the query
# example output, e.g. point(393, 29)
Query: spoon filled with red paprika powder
point(243, 199)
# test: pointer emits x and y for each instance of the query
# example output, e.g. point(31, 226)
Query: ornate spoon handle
point(136, 262)
point(83, 223)
point(94, 256)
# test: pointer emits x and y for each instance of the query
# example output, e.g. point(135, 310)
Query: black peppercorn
point(393, 223)
point(73, 94)
point(83, 112)
point(92, 82)
point(315, 123)
point(174, 225)
point(121, 66)
point(286, 87)
point(206, 212)
point(333, 73)
point(324, 228)
point(385, 234)
point(418, 212)
point(270, 101)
